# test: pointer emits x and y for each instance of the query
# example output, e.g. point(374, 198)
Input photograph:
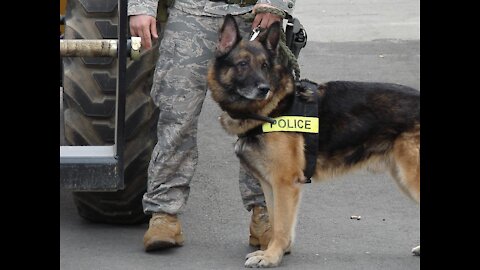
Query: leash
point(286, 55)
point(306, 98)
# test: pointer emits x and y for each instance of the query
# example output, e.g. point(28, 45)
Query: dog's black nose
point(264, 88)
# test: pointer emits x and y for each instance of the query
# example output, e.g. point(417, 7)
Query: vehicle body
point(109, 120)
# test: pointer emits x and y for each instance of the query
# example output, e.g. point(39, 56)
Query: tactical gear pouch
point(295, 36)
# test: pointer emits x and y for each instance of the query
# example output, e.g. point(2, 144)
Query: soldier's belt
point(241, 3)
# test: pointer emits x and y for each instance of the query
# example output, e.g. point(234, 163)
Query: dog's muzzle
point(263, 89)
point(259, 92)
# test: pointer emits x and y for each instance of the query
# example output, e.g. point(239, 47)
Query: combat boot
point(260, 228)
point(164, 231)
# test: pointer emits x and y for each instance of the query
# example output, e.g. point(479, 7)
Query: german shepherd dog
point(361, 124)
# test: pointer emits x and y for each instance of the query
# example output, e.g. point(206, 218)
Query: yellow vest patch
point(293, 124)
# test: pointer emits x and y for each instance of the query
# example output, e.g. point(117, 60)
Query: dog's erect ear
point(228, 37)
point(272, 37)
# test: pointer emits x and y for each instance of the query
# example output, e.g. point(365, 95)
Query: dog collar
point(252, 116)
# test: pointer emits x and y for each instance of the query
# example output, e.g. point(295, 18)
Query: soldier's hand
point(145, 27)
point(264, 20)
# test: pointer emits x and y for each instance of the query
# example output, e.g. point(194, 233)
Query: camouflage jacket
point(204, 7)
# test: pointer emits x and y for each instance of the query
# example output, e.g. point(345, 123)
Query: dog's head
point(246, 70)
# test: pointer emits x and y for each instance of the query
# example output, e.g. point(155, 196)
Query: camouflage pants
point(179, 89)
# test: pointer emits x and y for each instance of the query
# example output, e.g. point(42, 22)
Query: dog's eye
point(265, 66)
point(242, 63)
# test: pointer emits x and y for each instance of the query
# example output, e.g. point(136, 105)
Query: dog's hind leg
point(406, 164)
point(416, 251)
point(406, 167)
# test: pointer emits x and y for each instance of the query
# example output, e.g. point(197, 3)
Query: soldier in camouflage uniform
point(179, 89)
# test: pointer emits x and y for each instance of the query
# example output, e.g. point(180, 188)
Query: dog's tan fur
point(277, 159)
point(279, 167)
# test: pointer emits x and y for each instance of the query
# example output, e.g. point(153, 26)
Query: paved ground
point(348, 40)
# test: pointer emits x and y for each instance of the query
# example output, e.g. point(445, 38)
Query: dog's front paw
point(416, 251)
point(260, 259)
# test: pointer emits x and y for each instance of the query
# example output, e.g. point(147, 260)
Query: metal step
point(90, 168)
point(87, 154)
point(99, 168)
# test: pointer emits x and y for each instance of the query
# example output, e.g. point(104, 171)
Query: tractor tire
point(89, 101)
